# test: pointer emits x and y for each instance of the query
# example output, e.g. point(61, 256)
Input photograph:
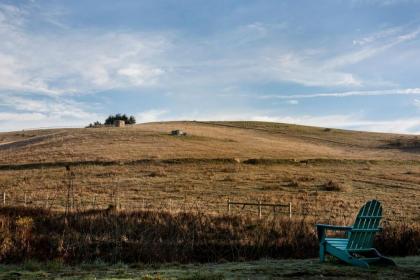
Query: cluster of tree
point(95, 124)
point(112, 118)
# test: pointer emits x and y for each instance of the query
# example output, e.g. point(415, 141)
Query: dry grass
point(242, 140)
point(144, 168)
point(208, 185)
point(155, 237)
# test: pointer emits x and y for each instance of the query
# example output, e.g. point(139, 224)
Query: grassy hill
point(241, 140)
point(172, 191)
point(325, 172)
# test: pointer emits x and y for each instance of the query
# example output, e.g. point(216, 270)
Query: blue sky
point(345, 64)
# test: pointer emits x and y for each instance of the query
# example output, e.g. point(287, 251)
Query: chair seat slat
point(365, 230)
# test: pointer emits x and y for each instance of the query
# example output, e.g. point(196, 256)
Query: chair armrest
point(331, 227)
point(321, 228)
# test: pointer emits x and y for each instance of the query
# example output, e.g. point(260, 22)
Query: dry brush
point(157, 237)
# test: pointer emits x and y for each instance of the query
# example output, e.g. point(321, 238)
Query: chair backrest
point(366, 225)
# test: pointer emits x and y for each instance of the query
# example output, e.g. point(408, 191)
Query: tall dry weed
point(155, 237)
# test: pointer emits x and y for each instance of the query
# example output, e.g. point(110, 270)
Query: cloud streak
point(407, 91)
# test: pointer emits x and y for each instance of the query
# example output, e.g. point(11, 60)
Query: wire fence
point(257, 208)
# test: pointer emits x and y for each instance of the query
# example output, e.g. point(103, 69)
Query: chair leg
point(384, 260)
point(322, 252)
point(353, 261)
point(346, 257)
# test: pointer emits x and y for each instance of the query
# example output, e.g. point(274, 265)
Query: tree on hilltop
point(120, 117)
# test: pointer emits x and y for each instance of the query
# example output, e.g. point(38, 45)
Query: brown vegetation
point(149, 237)
point(326, 175)
point(207, 185)
point(332, 186)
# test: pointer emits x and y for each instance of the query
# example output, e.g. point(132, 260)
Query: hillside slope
point(241, 140)
point(144, 166)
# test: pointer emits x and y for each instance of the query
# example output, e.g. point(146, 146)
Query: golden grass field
point(142, 166)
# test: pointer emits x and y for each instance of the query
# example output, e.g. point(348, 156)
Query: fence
point(69, 203)
point(261, 205)
point(81, 202)
point(72, 202)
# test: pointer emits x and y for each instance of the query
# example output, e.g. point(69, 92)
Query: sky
point(341, 64)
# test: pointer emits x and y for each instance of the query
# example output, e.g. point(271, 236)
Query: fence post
point(228, 202)
point(290, 210)
point(24, 201)
point(46, 202)
point(259, 209)
point(94, 202)
point(4, 198)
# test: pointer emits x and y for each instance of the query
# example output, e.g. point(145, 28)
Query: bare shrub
point(333, 186)
point(291, 183)
point(158, 173)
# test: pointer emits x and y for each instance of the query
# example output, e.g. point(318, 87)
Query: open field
point(144, 167)
point(324, 174)
point(208, 185)
point(408, 268)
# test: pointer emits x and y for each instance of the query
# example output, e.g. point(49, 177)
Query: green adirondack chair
point(356, 248)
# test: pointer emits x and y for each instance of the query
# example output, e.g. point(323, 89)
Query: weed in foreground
point(162, 237)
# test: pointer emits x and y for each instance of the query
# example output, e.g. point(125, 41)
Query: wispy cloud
point(78, 62)
point(383, 40)
point(334, 70)
point(407, 91)
point(17, 112)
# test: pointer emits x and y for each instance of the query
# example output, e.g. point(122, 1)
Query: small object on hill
point(119, 123)
point(178, 132)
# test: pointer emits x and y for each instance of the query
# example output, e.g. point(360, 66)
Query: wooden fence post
point(24, 202)
point(259, 209)
point(4, 198)
point(290, 210)
point(228, 202)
